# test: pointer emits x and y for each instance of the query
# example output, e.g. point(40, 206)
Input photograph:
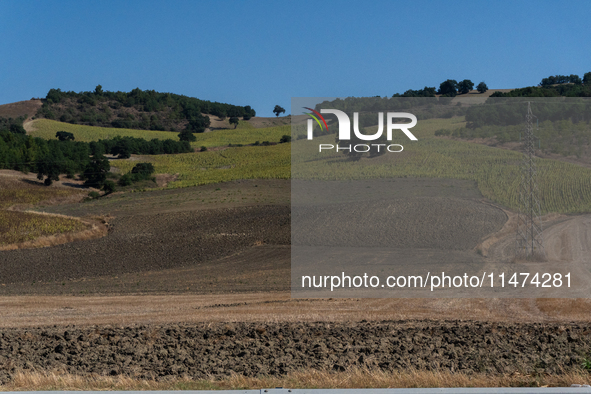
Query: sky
point(266, 52)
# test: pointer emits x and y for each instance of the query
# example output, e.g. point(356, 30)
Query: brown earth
point(261, 122)
point(20, 108)
point(149, 296)
point(250, 349)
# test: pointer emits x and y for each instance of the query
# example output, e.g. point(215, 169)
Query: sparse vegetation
point(16, 227)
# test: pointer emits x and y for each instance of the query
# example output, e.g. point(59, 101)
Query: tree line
point(137, 109)
point(50, 158)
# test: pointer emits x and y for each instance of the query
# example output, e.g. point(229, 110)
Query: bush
point(125, 180)
point(204, 149)
point(93, 195)
point(143, 170)
point(285, 138)
point(108, 187)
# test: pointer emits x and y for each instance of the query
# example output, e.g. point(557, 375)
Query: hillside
point(26, 108)
point(137, 109)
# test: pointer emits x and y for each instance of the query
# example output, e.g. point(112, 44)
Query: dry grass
point(15, 191)
point(307, 379)
point(36, 311)
point(31, 229)
point(20, 108)
point(20, 229)
point(27, 230)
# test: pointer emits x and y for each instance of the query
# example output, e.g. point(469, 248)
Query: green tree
point(96, 171)
point(448, 88)
point(278, 110)
point(587, 79)
point(142, 171)
point(482, 87)
point(234, 120)
point(125, 180)
point(49, 167)
point(187, 135)
point(108, 187)
point(98, 90)
point(64, 136)
point(248, 113)
point(465, 86)
point(17, 129)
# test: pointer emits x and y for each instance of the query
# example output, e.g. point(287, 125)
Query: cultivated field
point(564, 187)
point(192, 281)
point(248, 162)
point(245, 134)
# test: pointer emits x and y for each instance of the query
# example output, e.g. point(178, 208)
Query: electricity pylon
point(530, 243)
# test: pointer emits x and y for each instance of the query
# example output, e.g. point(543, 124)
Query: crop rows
point(564, 187)
point(243, 135)
point(249, 162)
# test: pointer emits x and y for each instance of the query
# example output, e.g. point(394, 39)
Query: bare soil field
point(193, 283)
point(198, 351)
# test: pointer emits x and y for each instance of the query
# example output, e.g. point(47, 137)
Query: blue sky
point(263, 53)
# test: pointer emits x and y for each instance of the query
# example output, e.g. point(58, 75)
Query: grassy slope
point(244, 134)
point(564, 187)
point(249, 162)
point(18, 227)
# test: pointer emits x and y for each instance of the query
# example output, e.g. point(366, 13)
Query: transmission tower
point(529, 227)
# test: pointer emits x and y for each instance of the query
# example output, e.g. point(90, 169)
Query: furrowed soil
point(199, 351)
point(194, 282)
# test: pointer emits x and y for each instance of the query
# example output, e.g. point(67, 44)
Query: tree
point(234, 120)
point(96, 171)
point(187, 135)
point(98, 90)
point(64, 136)
point(278, 110)
point(482, 87)
point(285, 138)
point(448, 88)
point(142, 171)
point(17, 129)
point(108, 187)
point(125, 180)
point(465, 86)
point(50, 167)
point(587, 79)
point(248, 113)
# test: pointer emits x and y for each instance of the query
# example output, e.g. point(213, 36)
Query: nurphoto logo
point(344, 133)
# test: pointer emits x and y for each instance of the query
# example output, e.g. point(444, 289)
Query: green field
point(564, 187)
point(243, 135)
point(249, 162)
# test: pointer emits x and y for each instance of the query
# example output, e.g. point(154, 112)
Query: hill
point(26, 108)
point(137, 109)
